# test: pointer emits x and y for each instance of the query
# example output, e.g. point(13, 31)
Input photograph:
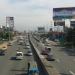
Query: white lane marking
point(57, 60)
point(72, 72)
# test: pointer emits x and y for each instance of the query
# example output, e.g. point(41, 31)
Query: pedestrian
point(28, 67)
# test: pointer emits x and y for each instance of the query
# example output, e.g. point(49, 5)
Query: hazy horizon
point(29, 14)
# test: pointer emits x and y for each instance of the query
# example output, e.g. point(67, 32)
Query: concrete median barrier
point(46, 68)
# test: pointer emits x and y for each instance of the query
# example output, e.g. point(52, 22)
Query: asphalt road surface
point(10, 66)
point(64, 63)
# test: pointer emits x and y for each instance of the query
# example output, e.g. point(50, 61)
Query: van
point(19, 55)
point(46, 50)
point(50, 57)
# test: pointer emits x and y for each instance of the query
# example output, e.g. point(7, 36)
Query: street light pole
point(9, 33)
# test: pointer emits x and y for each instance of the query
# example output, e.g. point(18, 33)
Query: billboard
point(64, 13)
point(41, 29)
point(10, 22)
point(72, 24)
point(61, 23)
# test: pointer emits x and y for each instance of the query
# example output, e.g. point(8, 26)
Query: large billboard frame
point(63, 13)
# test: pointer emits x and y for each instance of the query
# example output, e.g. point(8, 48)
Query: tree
point(70, 37)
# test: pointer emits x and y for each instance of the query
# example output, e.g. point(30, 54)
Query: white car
point(27, 44)
point(19, 55)
point(50, 57)
point(27, 47)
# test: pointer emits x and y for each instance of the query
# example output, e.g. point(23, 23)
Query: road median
point(47, 67)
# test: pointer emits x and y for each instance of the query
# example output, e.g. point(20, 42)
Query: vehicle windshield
point(48, 49)
point(29, 52)
point(19, 54)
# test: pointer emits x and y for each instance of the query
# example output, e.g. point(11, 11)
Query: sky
point(29, 14)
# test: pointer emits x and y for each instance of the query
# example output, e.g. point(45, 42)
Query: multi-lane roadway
point(10, 66)
point(64, 62)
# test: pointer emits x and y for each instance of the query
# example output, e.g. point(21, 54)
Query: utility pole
point(9, 33)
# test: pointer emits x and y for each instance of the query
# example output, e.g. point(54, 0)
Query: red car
point(46, 51)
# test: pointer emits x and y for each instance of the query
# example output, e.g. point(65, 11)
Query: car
point(56, 40)
point(27, 44)
point(29, 53)
point(50, 57)
point(9, 44)
point(20, 42)
point(2, 52)
point(19, 55)
point(46, 50)
point(46, 44)
point(27, 47)
point(4, 39)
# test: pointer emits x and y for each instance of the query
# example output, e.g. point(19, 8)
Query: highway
point(64, 62)
point(10, 66)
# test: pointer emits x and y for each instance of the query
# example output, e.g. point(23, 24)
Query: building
point(10, 22)
point(41, 30)
point(72, 24)
point(64, 17)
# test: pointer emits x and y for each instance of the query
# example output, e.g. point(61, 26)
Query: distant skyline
point(30, 14)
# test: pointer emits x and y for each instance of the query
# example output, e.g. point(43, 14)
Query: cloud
point(15, 1)
point(31, 12)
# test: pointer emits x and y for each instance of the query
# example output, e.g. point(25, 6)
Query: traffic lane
point(5, 60)
point(20, 67)
point(29, 58)
point(65, 61)
point(59, 66)
point(6, 63)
